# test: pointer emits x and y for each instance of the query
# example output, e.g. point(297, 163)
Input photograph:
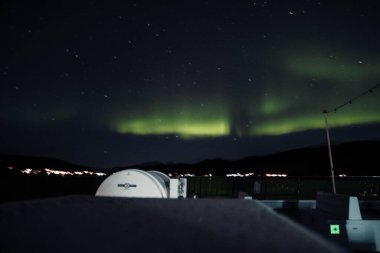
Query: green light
point(317, 63)
point(185, 129)
point(279, 126)
point(273, 114)
point(334, 229)
point(286, 126)
point(354, 116)
point(187, 122)
point(273, 105)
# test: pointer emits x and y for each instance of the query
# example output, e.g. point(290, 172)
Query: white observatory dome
point(134, 183)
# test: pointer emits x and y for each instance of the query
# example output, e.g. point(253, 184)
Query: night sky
point(114, 83)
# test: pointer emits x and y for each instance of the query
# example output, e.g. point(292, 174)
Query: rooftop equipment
point(134, 183)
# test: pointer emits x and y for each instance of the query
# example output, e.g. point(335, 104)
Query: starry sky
point(114, 83)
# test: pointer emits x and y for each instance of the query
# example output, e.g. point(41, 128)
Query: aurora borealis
point(112, 83)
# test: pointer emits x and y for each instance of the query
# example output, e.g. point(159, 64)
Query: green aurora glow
point(185, 121)
point(185, 128)
point(309, 122)
point(285, 106)
point(339, 67)
point(290, 102)
point(213, 122)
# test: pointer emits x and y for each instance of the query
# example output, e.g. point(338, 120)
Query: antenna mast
point(325, 112)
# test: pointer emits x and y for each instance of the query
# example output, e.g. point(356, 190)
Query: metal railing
point(281, 188)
